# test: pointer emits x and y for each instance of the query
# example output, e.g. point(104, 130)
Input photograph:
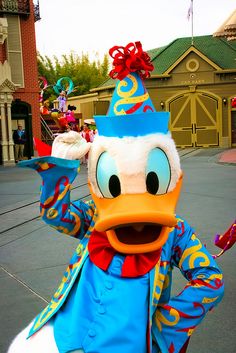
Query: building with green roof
point(196, 83)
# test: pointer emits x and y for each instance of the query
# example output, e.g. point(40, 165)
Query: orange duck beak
point(137, 223)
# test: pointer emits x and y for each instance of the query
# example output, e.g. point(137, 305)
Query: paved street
point(33, 256)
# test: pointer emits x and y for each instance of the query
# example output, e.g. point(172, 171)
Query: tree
point(84, 74)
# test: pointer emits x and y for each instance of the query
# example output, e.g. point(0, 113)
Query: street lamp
point(162, 105)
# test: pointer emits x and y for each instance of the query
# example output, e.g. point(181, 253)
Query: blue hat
point(131, 111)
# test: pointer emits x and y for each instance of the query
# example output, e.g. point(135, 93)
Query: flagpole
point(192, 19)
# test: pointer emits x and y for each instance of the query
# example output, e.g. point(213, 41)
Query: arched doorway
point(21, 113)
point(195, 119)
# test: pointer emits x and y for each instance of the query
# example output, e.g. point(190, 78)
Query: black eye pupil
point(152, 183)
point(114, 185)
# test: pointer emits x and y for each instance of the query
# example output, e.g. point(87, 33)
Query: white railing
point(49, 136)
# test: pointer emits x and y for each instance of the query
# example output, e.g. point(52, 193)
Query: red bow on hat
point(130, 58)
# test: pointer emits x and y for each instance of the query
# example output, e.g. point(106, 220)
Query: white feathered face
point(133, 165)
point(135, 184)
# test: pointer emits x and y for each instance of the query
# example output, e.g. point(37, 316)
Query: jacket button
point(108, 285)
point(92, 333)
point(101, 309)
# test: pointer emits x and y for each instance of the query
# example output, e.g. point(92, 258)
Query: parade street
point(33, 256)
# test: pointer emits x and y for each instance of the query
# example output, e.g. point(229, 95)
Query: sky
point(94, 26)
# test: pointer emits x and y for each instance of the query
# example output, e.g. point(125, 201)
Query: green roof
point(218, 50)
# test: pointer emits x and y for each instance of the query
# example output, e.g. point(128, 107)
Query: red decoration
point(63, 122)
point(185, 346)
point(233, 102)
point(226, 240)
point(129, 59)
point(63, 180)
point(42, 148)
point(101, 254)
point(171, 348)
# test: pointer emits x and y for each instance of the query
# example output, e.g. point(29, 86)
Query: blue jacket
point(171, 319)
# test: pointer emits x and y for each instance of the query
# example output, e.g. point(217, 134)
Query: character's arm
point(72, 218)
point(177, 319)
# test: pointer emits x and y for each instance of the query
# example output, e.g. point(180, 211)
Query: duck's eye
point(107, 176)
point(158, 173)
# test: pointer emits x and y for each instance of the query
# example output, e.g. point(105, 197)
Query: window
point(14, 50)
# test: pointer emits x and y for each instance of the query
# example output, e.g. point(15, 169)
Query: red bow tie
point(101, 254)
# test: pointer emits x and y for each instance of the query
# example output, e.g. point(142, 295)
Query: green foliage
point(84, 73)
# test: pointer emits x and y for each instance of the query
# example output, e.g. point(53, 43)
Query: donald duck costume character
point(115, 293)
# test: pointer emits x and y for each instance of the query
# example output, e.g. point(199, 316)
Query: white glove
point(70, 145)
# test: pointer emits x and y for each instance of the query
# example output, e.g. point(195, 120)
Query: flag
point(190, 10)
point(42, 148)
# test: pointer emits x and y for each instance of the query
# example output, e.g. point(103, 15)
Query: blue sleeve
point(72, 218)
point(177, 319)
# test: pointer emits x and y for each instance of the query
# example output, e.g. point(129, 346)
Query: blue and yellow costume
point(116, 292)
point(171, 320)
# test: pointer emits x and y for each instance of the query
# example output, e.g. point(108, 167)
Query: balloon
point(64, 84)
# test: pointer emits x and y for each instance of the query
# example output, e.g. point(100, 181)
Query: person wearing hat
point(19, 138)
point(115, 295)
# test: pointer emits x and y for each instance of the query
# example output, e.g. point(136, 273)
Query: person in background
point(44, 108)
point(19, 138)
point(70, 117)
point(62, 122)
point(93, 134)
point(86, 133)
point(62, 101)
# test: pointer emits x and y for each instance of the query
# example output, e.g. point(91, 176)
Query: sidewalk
point(229, 156)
